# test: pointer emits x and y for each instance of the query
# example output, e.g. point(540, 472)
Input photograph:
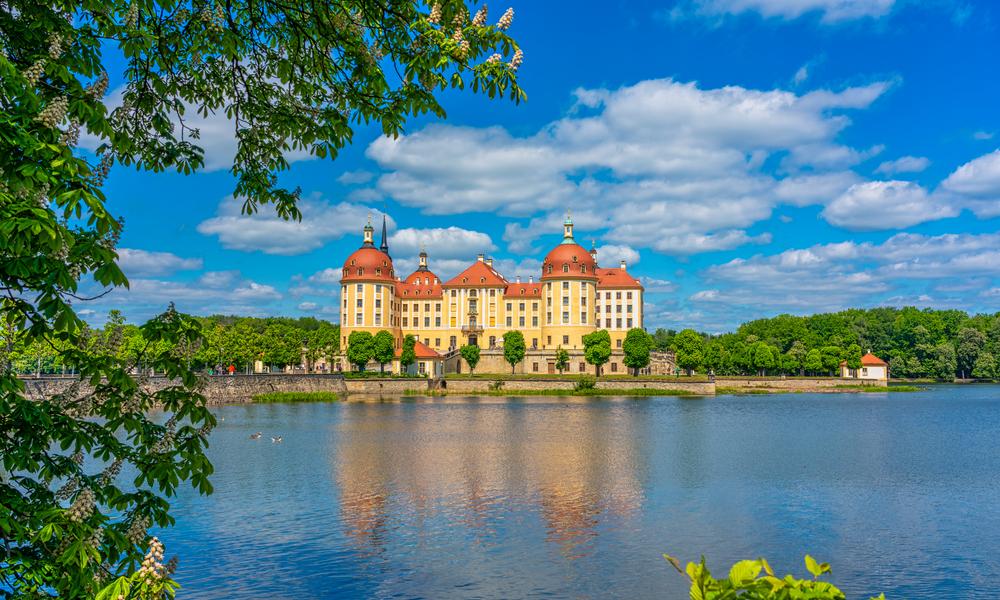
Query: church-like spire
point(385, 239)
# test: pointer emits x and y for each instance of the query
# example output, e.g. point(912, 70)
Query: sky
point(747, 158)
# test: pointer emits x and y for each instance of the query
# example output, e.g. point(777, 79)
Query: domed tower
point(368, 291)
point(569, 285)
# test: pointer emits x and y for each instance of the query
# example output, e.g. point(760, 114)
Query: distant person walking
point(232, 369)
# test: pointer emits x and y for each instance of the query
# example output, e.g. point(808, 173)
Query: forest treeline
point(917, 343)
point(227, 340)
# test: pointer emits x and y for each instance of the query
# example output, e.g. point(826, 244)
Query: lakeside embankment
point(239, 389)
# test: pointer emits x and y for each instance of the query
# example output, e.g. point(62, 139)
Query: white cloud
point(610, 255)
point(654, 285)
point(266, 232)
point(355, 177)
point(878, 205)
point(977, 184)
point(801, 75)
point(905, 164)
point(442, 242)
point(144, 263)
point(216, 135)
point(983, 135)
point(830, 11)
point(308, 306)
point(325, 282)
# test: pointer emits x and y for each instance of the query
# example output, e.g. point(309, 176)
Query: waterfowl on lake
point(276, 440)
point(254, 436)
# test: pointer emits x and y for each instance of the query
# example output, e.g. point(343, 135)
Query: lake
point(579, 498)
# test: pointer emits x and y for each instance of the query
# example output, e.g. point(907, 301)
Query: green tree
point(408, 356)
point(689, 350)
point(797, 353)
point(814, 361)
point(852, 356)
point(562, 360)
point(636, 347)
point(788, 363)
point(831, 358)
point(944, 362)
point(969, 344)
point(470, 352)
point(597, 348)
point(985, 367)
point(764, 357)
point(383, 349)
point(514, 348)
point(360, 348)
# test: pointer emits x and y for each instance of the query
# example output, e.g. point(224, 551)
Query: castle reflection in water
point(409, 469)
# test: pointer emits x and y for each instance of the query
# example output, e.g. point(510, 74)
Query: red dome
point(368, 264)
point(569, 261)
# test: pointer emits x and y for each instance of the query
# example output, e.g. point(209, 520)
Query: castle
point(573, 297)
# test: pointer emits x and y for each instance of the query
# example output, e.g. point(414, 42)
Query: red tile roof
point(616, 278)
point(477, 275)
point(871, 360)
point(422, 350)
point(523, 290)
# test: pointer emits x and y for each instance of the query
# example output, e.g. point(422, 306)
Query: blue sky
point(746, 157)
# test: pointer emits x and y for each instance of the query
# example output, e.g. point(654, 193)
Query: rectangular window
point(630, 323)
point(628, 295)
point(510, 321)
point(427, 321)
point(566, 340)
point(520, 307)
point(378, 288)
point(534, 321)
point(534, 367)
point(618, 308)
point(583, 317)
point(406, 307)
point(493, 321)
point(510, 306)
point(420, 367)
point(534, 306)
point(628, 308)
point(437, 342)
point(378, 318)
point(405, 321)
point(607, 308)
point(534, 342)
point(548, 339)
point(427, 307)
point(358, 319)
point(416, 308)
point(548, 318)
point(619, 343)
point(607, 295)
point(453, 293)
point(614, 367)
point(437, 307)
point(437, 321)
point(618, 323)
point(565, 300)
point(520, 321)
point(454, 321)
point(493, 293)
point(618, 295)
point(345, 302)
point(583, 301)
point(361, 288)
point(607, 323)
point(565, 285)
point(565, 317)
point(378, 303)
point(583, 367)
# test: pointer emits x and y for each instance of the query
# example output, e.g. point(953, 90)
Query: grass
point(878, 389)
point(747, 391)
point(283, 397)
point(590, 392)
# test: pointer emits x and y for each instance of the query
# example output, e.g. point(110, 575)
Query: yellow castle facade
point(573, 297)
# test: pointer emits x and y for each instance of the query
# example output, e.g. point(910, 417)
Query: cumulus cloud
point(905, 164)
point(355, 177)
point(610, 255)
point(977, 184)
point(266, 232)
point(847, 274)
point(325, 282)
point(144, 263)
point(660, 164)
point(440, 242)
point(216, 135)
point(878, 205)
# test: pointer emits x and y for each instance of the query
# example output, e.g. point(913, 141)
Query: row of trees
point(226, 340)
point(941, 344)
point(596, 350)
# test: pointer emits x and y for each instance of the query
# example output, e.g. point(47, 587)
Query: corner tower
point(367, 290)
point(569, 286)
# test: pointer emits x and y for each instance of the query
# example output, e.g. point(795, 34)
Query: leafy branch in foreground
point(746, 582)
point(291, 76)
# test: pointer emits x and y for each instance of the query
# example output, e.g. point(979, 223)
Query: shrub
point(745, 582)
point(496, 385)
point(585, 382)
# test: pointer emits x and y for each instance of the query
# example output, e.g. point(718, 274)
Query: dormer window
point(574, 258)
point(482, 280)
point(352, 262)
point(361, 271)
point(550, 268)
point(565, 268)
point(583, 268)
point(346, 271)
point(385, 264)
point(465, 280)
point(378, 271)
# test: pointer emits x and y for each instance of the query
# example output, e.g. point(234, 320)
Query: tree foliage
point(470, 352)
point(755, 580)
point(636, 348)
point(561, 359)
point(360, 348)
point(689, 350)
point(597, 348)
point(514, 348)
point(290, 76)
point(383, 348)
point(408, 356)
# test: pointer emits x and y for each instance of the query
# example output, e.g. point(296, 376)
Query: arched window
point(583, 268)
point(378, 271)
point(361, 271)
point(550, 268)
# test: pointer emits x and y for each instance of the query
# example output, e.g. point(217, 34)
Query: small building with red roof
point(872, 368)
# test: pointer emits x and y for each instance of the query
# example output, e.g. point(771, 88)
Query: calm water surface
point(578, 498)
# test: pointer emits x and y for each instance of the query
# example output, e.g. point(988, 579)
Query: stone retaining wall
point(220, 389)
point(474, 386)
point(386, 387)
point(792, 385)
